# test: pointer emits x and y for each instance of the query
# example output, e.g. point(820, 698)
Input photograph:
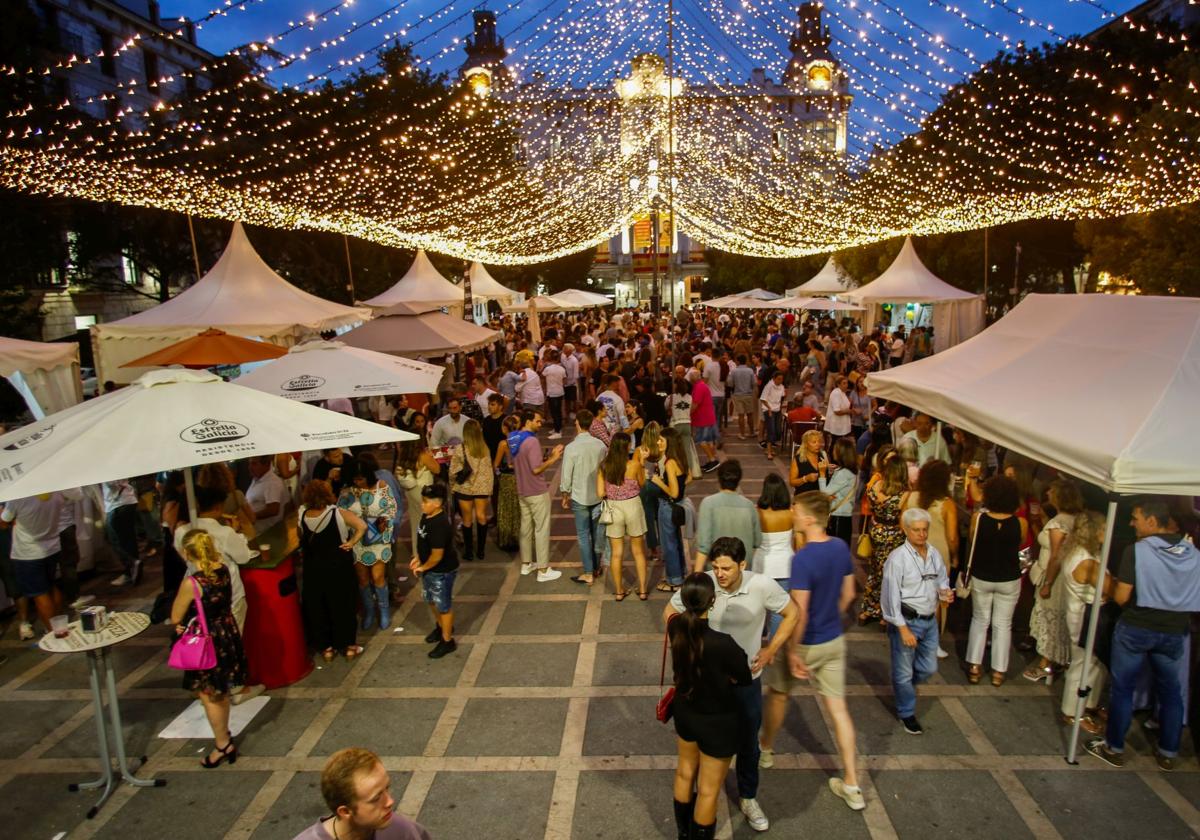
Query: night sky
point(883, 67)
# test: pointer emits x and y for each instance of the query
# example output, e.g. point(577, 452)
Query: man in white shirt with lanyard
point(914, 578)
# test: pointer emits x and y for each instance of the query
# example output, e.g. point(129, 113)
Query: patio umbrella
point(326, 370)
point(168, 420)
point(580, 299)
point(208, 349)
point(809, 303)
point(402, 331)
point(540, 303)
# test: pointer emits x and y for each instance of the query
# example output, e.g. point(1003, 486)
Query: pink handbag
point(194, 651)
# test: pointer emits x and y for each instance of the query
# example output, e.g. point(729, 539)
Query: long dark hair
point(687, 632)
point(614, 463)
point(775, 495)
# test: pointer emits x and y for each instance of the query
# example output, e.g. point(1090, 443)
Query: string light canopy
point(769, 127)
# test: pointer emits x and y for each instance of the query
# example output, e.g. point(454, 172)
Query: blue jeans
point(1131, 648)
point(672, 545)
point(120, 528)
point(750, 712)
point(773, 425)
point(586, 530)
point(912, 666)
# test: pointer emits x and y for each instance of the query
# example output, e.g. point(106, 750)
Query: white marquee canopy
point(240, 295)
point(830, 280)
point(422, 283)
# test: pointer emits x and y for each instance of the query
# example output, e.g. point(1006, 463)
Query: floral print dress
point(375, 505)
point(216, 596)
point(886, 537)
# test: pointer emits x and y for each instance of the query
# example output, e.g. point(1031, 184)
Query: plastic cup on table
point(264, 551)
point(60, 625)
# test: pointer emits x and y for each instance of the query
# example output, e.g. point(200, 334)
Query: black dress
point(329, 587)
point(217, 598)
point(708, 717)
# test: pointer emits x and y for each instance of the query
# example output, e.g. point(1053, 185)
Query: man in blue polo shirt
point(822, 588)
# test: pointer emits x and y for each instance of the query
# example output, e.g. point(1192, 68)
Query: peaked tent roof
point(907, 280)
point(486, 287)
point(421, 283)
point(830, 280)
point(575, 299)
point(1141, 442)
point(423, 336)
point(240, 295)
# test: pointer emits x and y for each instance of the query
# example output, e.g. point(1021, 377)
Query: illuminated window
point(819, 77)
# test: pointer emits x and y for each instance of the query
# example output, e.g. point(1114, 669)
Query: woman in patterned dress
point(886, 536)
point(369, 497)
point(212, 686)
point(475, 490)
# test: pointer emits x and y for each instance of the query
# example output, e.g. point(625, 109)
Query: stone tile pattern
point(541, 725)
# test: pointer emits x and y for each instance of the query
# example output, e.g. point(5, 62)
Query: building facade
point(117, 61)
point(782, 128)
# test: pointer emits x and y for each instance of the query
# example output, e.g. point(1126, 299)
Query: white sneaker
point(853, 798)
point(81, 601)
point(121, 580)
point(527, 568)
point(26, 632)
point(554, 436)
point(547, 575)
point(941, 654)
point(766, 758)
point(754, 814)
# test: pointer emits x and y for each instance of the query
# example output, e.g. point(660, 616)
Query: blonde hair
point(1087, 533)
point(473, 443)
point(198, 546)
point(810, 435)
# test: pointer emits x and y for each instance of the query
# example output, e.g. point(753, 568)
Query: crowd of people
point(872, 512)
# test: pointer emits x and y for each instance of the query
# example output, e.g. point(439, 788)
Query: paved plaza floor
point(542, 726)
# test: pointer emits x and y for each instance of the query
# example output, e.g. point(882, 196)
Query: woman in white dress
point(1079, 569)
point(773, 557)
point(415, 469)
point(1047, 624)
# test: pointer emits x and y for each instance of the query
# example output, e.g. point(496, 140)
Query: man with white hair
point(914, 578)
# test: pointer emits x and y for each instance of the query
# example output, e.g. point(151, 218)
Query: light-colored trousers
point(992, 604)
point(535, 529)
point(1096, 670)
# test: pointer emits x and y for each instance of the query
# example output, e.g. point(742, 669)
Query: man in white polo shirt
point(743, 600)
point(266, 495)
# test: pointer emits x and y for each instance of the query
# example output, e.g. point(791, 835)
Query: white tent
point(45, 374)
point(486, 287)
point(1123, 421)
point(830, 280)
point(958, 316)
point(741, 300)
point(422, 283)
point(240, 295)
point(539, 303)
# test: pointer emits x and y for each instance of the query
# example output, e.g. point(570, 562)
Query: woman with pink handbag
point(208, 647)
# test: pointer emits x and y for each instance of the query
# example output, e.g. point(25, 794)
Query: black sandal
point(621, 596)
point(227, 753)
point(642, 596)
point(663, 586)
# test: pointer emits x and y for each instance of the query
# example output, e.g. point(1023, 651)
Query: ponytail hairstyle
point(198, 546)
point(687, 632)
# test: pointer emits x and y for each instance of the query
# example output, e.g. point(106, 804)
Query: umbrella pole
point(195, 253)
point(190, 485)
point(1084, 688)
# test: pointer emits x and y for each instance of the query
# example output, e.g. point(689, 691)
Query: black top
point(804, 467)
point(724, 665)
point(493, 432)
point(1149, 618)
point(996, 545)
point(321, 472)
point(433, 533)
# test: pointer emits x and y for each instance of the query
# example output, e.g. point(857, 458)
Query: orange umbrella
point(209, 348)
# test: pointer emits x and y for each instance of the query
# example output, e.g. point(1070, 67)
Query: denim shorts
point(437, 588)
point(704, 434)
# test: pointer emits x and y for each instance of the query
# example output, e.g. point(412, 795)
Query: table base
point(98, 661)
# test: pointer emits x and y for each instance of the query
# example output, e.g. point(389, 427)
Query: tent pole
point(1084, 687)
point(349, 267)
point(190, 485)
point(195, 252)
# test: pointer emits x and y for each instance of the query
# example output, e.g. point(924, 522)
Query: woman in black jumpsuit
point(707, 665)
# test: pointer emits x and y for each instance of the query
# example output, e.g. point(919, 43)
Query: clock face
point(819, 76)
